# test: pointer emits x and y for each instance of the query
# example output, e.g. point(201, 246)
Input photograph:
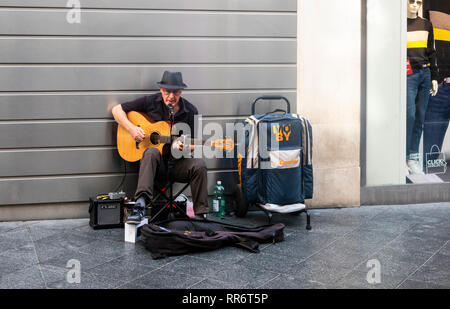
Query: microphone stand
point(170, 199)
point(172, 120)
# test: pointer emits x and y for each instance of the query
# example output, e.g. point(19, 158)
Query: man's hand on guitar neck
point(178, 144)
point(137, 133)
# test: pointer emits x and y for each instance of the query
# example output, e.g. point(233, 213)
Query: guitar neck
point(158, 135)
point(195, 141)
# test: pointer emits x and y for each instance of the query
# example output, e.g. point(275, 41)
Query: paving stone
point(47, 251)
point(9, 265)
point(370, 236)
point(194, 267)
point(419, 285)
point(427, 231)
point(14, 239)
point(57, 278)
point(163, 279)
point(25, 255)
point(143, 257)
point(287, 282)
point(358, 280)
point(410, 241)
point(392, 269)
point(319, 271)
point(300, 246)
point(25, 278)
point(439, 211)
point(224, 255)
point(389, 224)
point(107, 248)
point(405, 217)
point(243, 275)
point(396, 262)
point(443, 227)
point(53, 273)
point(65, 240)
point(60, 224)
point(436, 270)
point(413, 243)
point(110, 234)
point(346, 255)
point(275, 263)
point(333, 228)
point(120, 270)
point(9, 226)
point(211, 284)
point(322, 220)
point(87, 261)
point(38, 233)
point(368, 211)
point(446, 249)
point(87, 281)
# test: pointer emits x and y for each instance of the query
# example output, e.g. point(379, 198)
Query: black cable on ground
point(123, 178)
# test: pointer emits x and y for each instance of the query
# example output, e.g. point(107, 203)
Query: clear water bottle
point(219, 201)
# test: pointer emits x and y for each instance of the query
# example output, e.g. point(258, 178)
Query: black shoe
point(136, 215)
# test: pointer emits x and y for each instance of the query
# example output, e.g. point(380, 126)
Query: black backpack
point(182, 236)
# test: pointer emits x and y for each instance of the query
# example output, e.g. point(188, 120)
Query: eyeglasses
point(419, 2)
point(175, 92)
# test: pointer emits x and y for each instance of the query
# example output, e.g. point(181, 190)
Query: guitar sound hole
point(155, 138)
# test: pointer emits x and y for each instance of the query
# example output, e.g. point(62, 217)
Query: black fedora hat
point(172, 80)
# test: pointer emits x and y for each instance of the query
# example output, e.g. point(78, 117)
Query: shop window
point(408, 92)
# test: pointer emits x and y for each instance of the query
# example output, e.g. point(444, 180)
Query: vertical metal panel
point(59, 81)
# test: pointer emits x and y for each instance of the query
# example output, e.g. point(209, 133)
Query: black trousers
point(186, 170)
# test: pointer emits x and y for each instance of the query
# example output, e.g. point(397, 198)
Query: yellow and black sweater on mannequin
point(438, 11)
point(421, 52)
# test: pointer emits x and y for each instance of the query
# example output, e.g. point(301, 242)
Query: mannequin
point(421, 83)
point(437, 118)
point(413, 13)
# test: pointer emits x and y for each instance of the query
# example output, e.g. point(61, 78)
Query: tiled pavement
point(411, 243)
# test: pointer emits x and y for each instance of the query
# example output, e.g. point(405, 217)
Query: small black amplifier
point(106, 213)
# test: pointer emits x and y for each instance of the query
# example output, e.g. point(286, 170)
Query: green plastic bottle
point(219, 201)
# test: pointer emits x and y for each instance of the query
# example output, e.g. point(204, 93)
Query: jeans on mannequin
point(437, 119)
point(418, 94)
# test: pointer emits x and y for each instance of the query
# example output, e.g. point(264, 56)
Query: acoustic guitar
point(157, 135)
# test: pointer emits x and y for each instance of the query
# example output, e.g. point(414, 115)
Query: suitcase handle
point(276, 111)
point(271, 97)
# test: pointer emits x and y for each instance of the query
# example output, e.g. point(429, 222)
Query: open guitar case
point(183, 236)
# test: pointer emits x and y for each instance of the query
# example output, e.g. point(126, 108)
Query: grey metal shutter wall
point(59, 81)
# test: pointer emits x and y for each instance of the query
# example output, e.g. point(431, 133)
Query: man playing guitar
point(185, 170)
